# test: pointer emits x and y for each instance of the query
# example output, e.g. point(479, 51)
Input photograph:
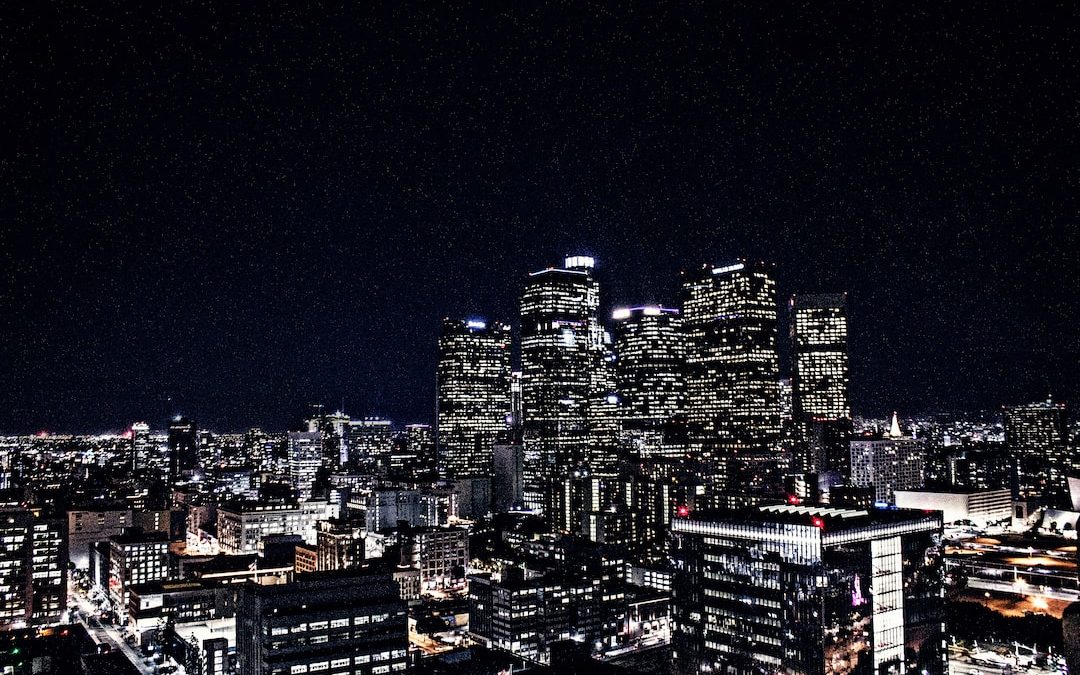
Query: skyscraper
point(473, 395)
point(808, 590)
point(183, 448)
point(305, 459)
point(819, 379)
point(141, 445)
point(1036, 435)
point(733, 406)
point(649, 373)
point(563, 357)
point(819, 357)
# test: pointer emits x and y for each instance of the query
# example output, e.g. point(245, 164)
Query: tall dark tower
point(732, 382)
point(1036, 436)
point(819, 379)
point(473, 395)
point(568, 405)
point(183, 448)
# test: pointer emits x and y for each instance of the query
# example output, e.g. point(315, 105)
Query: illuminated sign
point(580, 261)
point(730, 268)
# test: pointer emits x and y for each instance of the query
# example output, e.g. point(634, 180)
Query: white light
point(730, 268)
point(612, 399)
point(621, 313)
point(480, 325)
point(652, 311)
point(580, 261)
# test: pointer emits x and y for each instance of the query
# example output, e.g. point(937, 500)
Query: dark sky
point(230, 212)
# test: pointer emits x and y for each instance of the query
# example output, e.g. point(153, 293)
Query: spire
point(894, 430)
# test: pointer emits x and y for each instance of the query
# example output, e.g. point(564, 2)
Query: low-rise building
point(242, 525)
point(978, 507)
point(347, 621)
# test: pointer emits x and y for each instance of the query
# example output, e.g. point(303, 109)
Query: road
point(106, 634)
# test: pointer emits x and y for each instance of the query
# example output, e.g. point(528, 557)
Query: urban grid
point(610, 477)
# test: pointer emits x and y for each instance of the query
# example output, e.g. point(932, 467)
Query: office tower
point(893, 462)
point(183, 448)
point(650, 376)
point(135, 557)
point(473, 394)
point(808, 590)
point(565, 379)
point(440, 553)
point(819, 376)
point(413, 457)
point(1036, 435)
point(786, 403)
point(819, 380)
point(337, 622)
point(733, 407)
point(85, 527)
point(332, 426)
point(141, 445)
point(33, 567)
point(305, 460)
point(369, 441)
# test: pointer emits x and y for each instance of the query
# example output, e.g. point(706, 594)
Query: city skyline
point(261, 231)
point(294, 418)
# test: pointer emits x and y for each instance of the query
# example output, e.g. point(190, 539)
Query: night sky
point(232, 212)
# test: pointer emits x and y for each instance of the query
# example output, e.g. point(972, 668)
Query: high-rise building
point(333, 622)
point(135, 557)
point(183, 448)
point(650, 376)
point(473, 394)
point(305, 459)
point(819, 376)
point(1036, 434)
point(808, 590)
point(370, 440)
point(887, 464)
point(141, 445)
point(566, 384)
point(33, 567)
point(733, 406)
point(819, 381)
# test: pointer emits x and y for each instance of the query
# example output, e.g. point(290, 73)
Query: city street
point(107, 634)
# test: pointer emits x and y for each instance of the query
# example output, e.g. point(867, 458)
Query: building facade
point(1036, 436)
point(33, 568)
point(242, 525)
point(473, 395)
point(808, 591)
point(335, 623)
point(562, 350)
point(650, 377)
point(305, 460)
point(732, 374)
point(887, 465)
